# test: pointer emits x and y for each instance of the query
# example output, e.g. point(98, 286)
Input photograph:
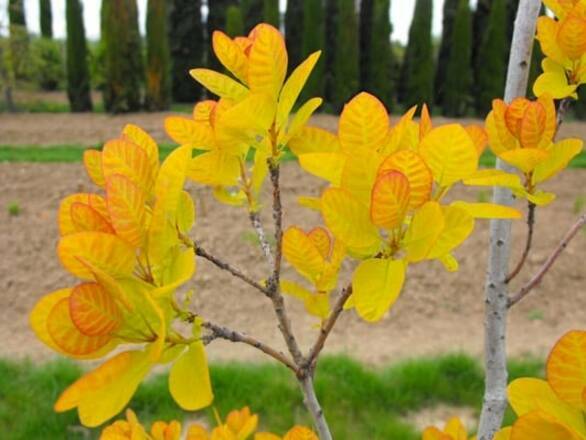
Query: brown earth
point(438, 312)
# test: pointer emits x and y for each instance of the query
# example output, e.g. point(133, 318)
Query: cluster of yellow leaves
point(553, 409)
point(522, 134)
point(239, 425)
point(383, 203)
point(563, 41)
point(253, 111)
point(125, 245)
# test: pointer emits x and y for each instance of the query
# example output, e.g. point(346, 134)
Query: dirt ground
point(438, 312)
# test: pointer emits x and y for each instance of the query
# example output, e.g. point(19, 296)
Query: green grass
point(360, 402)
point(40, 106)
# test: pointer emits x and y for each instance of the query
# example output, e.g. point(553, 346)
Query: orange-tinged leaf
point(525, 159)
point(268, 61)
point(321, 239)
point(300, 433)
point(313, 140)
point(166, 431)
point(219, 84)
point(425, 124)
point(230, 55)
point(40, 314)
point(242, 422)
point(566, 368)
point(364, 124)
point(93, 310)
point(302, 254)
point(503, 434)
point(571, 35)
point(92, 160)
point(479, 136)
point(449, 153)
point(105, 251)
point(203, 110)
point(488, 210)
point(349, 221)
point(328, 166)
point(499, 136)
point(123, 157)
point(550, 123)
point(186, 131)
point(532, 126)
point(389, 200)
point(413, 167)
point(538, 425)
point(126, 204)
point(144, 140)
point(433, 433)
point(456, 429)
point(68, 336)
point(66, 224)
point(376, 285)
point(426, 226)
point(189, 379)
point(560, 155)
point(86, 218)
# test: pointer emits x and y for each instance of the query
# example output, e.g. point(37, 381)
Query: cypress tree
point(491, 64)
point(313, 40)
point(16, 13)
point(479, 24)
point(78, 75)
point(346, 74)
point(376, 54)
point(449, 16)
point(124, 71)
point(46, 17)
point(271, 14)
point(187, 46)
point(217, 14)
point(294, 31)
point(234, 22)
point(252, 13)
point(329, 50)
point(417, 71)
point(459, 71)
point(158, 81)
point(19, 41)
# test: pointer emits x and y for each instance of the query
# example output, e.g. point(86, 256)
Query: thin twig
point(326, 328)
point(528, 242)
point(201, 252)
point(563, 108)
point(312, 404)
point(219, 332)
point(536, 279)
point(262, 238)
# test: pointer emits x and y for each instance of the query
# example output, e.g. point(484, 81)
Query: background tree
point(158, 81)
point(491, 64)
point(19, 41)
point(78, 75)
point(479, 24)
point(46, 17)
point(187, 46)
point(294, 31)
point(449, 16)
point(329, 49)
point(313, 40)
point(417, 71)
point(234, 21)
point(458, 78)
point(376, 54)
point(217, 14)
point(271, 14)
point(124, 71)
point(252, 13)
point(346, 74)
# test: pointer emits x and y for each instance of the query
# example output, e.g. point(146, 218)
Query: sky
point(401, 13)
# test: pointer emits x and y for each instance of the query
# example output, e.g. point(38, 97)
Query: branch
point(495, 392)
point(530, 224)
point(201, 252)
point(563, 108)
point(536, 279)
point(262, 238)
point(327, 327)
point(312, 404)
point(219, 332)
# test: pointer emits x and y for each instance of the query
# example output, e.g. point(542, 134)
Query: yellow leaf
point(230, 55)
point(525, 159)
point(93, 310)
point(302, 254)
point(488, 210)
point(349, 221)
point(539, 426)
point(479, 136)
point(313, 140)
point(130, 160)
point(313, 203)
point(66, 223)
point(359, 174)
point(328, 166)
point(566, 368)
point(540, 198)
point(456, 429)
point(105, 251)
point(547, 34)
point(295, 290)
point(426, 226)
point(166, 431)
point(229, 196)
point(458, 226)
point(503, 434)
point(141, 138)
point(92, 160)
point(554, 83)
point(219, 84)
point(268, 61)
point(185, 213)
point(425, 124)
point(492, 177)
point(178, 271)
point(449, 262)
point(389, 200)
point(364, 124)
point(432, 433)
point(560, 155)
point(376, 285)
point(293, 87)
point(321, 240)
point(126, 204)
point(215, 168)
point(186, 131)
point(499, 136)
point(301, 117)
point(189, 379)
point(300, 433)
point(404, 135)
point(449, 153)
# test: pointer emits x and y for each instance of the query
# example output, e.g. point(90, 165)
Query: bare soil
point(438, 312)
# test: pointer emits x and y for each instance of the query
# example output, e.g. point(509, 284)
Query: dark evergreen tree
point(417, 71)
point(187, 46)
point(19, 40)
point(329, 49)
point(46, 16)
point(78, 75)
point(16, 14)
point(346, 73)
point(158, 80)
point(271, 14)
point(313, 40)
point(491, 64)
point(234, 22)
point(217, 14)
point(252, 13)
point(124, 70)
point(294, 31)
point(479, 24)
point(458, 79)
point(376, 54)
point(449, 16)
